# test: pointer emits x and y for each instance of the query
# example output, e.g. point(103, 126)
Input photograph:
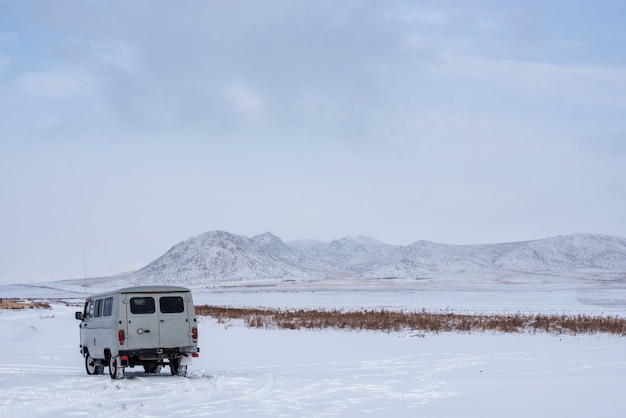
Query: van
point(149, 326)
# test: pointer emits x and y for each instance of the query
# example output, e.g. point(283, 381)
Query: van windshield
point(142, 305)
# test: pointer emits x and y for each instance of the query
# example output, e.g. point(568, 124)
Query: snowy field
point(282, 373)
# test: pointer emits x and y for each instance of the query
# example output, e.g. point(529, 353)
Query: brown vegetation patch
point(435, 322)
point(10, 303)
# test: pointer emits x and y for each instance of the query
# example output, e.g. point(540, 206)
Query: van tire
point(92, 366)
point(115, 370)
point(177, 369)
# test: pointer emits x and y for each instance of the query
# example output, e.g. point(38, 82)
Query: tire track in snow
point(323, 389)
point(23, 369)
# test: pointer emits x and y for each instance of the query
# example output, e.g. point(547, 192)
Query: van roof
point(153, 289)
point(143, 289)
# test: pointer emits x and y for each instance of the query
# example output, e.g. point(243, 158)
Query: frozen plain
point(274, 373)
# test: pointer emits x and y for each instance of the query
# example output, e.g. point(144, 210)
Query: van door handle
point(162, 320)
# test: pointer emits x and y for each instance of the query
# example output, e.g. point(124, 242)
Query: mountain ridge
point(223, 256)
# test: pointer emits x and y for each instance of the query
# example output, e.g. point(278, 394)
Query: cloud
point(55, 85)
point(487, 25)
point(586, 86)
point(118, 55)
point(5, 61)
point(417, 15)
point(8, 39)
point(431, 18)
point(243, 99)
point(567, 43)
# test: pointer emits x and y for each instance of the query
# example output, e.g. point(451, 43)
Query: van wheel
point(115, 370)
point(151, 367)
point(177, 369)
point(93, 367)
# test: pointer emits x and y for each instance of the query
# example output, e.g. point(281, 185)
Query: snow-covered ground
point(274, 373)
point(601, 293)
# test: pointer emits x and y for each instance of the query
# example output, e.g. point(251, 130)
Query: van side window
point(98, 308)
point(171, 304)
point(108, 305)
point(142, 305)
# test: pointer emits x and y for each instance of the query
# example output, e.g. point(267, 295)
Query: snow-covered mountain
point(222, 256)
point(348, 251)
point(578, 253)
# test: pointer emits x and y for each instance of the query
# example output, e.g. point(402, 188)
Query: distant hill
point(220, 256)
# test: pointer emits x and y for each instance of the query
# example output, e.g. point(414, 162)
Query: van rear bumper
point(159, 353)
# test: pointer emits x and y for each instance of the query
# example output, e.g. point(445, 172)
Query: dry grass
point(388, 321)
point(23, 304)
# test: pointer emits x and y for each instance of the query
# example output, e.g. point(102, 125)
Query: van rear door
point(175, 329)
point(143, 321)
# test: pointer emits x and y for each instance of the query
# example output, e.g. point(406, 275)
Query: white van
point(150, 326)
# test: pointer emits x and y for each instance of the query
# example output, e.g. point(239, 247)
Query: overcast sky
point(129, 126)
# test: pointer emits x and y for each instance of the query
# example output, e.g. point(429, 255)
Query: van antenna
point(84, 260)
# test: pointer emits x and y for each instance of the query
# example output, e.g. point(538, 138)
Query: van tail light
point(195, 355)
point(120, 336)
point(194, 333)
